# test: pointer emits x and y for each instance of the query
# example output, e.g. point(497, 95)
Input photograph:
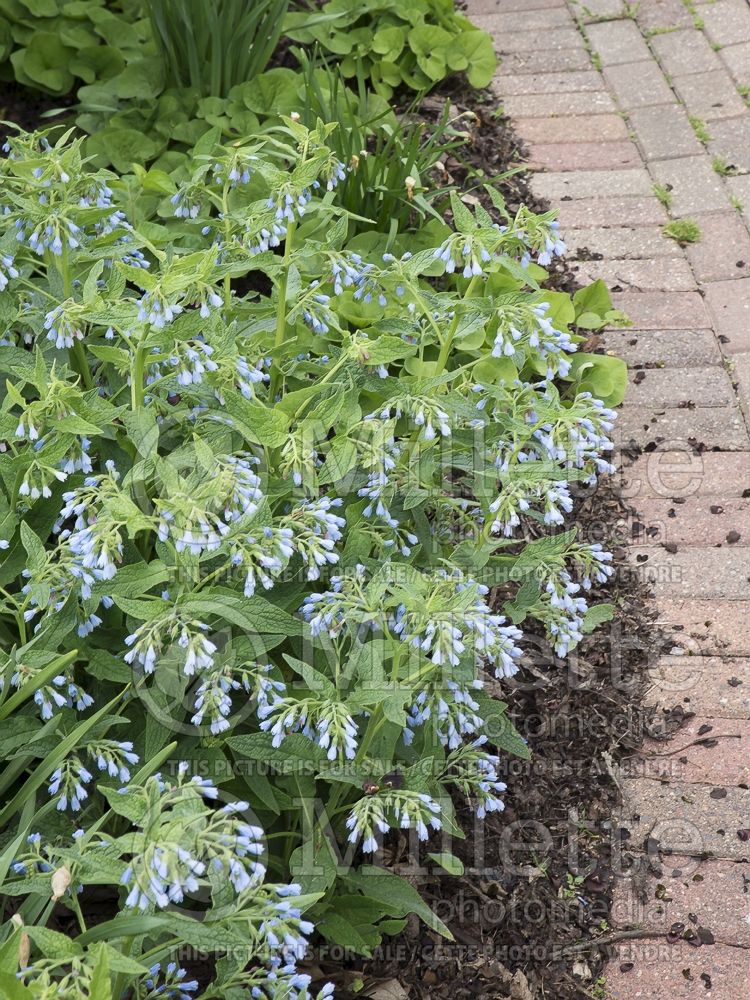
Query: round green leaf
point(97, 62)
point(272, 92)
point(480, 53)
point(6, 40)
point(388, 42)
point(122, 147)
point(44, 63)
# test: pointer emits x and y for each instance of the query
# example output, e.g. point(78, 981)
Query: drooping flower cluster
point(200, 517)
point(176, 632)
point(213, 698)
point(309, 497)
point(456, 620)
point(474, 772)
point(183, 837)
point(71, 778)
point(453, 710)
point(375, 814)
point(326, 722)
point(524, 329)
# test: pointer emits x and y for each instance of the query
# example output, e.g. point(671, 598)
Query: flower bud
point(60, 882)
point(24, 945)
point(24, 950)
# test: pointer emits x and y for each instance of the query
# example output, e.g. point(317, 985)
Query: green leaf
point(101, 987)
point(122, 147)
point(42, 8)
point(386, 349)
point(506, 737)
point(344, 933)
point(52, 944)
point(158, 181)
point(132, 804)
point(142, 611)
point(256, 423)
point(479, 50)
point(123, 963)
point(97, 62)
point(272, 92)
point(143, 430)
point(541, 549)
point(37, 557)
point(596, 615)
point(90, 286)
point(462, 217)
point(205, 936)
point(600, 374)
point(125, 925)
point(6, 39)
point(44, 62)
point(499, 728)
point(254, 615)
point(430, 44)
point(490, 371)
point(297, 754)
point(561, 311)
point(594, 298)
point(314, 680)
point(9, 951)
point(398, 894)
point(448, 861)
point(393, 707)
point(313, 863)
point(389, 42)
point(526, 597)
point(12, 989)
point(135, 580)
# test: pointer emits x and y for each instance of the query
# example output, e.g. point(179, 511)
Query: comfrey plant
point(274, 506)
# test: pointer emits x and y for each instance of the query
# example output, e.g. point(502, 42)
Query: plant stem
point(76, 353)
point(326, 378)
point(447, 344)
point(78, 913)
point(136, 383)
point(281, 309)
point(79, 363)
point(227, 228)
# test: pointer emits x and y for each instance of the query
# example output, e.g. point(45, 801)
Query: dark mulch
point(29, 108)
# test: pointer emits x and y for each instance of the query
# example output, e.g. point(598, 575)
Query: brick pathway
point(635, 114)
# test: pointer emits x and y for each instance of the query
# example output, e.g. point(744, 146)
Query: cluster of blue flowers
point(402, 808)
point(348, 478)
point(70, 779)
point(525, 330)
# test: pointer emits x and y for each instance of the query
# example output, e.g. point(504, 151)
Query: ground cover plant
point(153, 77)
point(51, 44)
point(265, 564)
point(288, 437)
point(414, 45)
point(56, 45)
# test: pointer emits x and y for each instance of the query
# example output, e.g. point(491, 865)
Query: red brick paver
point(656, 126)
